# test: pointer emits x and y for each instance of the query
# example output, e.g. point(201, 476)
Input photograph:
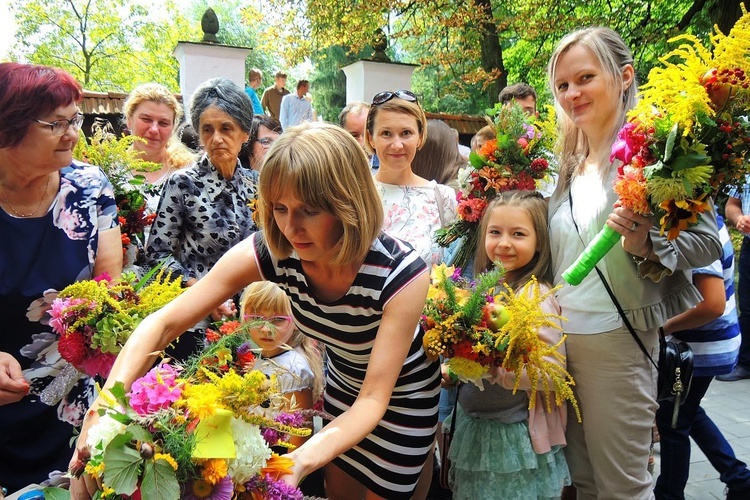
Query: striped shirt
point(716, 344)
point(389, 460)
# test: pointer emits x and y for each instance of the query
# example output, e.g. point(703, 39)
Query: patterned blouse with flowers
point(201, 215)
point(414, 213)
point(38, 257)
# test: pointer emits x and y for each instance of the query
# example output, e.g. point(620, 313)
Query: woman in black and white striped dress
point(356, 289)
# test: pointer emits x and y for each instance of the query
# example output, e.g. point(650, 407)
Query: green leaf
point(123, 463)
point(139, 433)
point(670, 143)
point(689, 160)
point(56, 494)
point(159, 481)
point(476, 160)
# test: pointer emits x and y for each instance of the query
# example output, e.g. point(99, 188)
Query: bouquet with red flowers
point(94, 318)
point(688, 136)
point(514, 160)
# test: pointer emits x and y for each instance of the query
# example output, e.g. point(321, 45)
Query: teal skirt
point(496, 461)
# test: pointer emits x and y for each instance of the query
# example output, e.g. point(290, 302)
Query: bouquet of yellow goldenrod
point(478, 327)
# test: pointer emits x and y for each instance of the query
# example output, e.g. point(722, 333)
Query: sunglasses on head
point(381, 97)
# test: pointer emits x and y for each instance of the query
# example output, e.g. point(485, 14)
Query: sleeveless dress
point(389, 460)
point(39, 257)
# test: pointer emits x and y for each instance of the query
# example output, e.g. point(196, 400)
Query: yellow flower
point(201, 400)
point(167, 458)
point(681, 214)
point(467, 369)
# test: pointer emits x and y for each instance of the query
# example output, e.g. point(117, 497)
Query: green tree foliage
point(107, 45)
point(469, 49)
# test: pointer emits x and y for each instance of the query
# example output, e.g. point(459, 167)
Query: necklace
point(19, 214)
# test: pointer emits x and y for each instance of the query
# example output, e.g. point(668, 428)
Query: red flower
point(539, 165)
point(471, 209)
point(72, 347)
point(212, 335)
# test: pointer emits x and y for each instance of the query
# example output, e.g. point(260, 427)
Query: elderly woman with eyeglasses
point(205, 209)
point(58, 224)
point(264, 130)
point(414, 207)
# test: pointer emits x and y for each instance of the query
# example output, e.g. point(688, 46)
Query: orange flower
point(487, 151)
point(277, 466)
point(631, 188)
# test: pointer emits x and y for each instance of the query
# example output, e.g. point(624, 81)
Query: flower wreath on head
point(685, 140)
point(516, 159)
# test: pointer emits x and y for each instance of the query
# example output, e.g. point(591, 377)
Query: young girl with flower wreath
point(500, 448)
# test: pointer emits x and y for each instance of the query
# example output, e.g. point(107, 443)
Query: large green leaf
point(123, 463)
point(159, 481)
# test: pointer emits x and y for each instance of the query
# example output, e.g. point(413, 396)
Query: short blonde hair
point(268, 296)
point(399, 106)
point(326, 169)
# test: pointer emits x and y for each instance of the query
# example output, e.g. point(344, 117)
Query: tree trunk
point(492, 53)
point(724, 13)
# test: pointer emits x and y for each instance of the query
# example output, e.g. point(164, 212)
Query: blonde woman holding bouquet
point(593, 81)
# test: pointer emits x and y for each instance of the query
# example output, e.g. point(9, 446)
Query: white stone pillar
point(202, 61)
point(366, 78)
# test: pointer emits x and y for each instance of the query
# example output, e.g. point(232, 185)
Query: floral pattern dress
point(38, 257)
point(414, 213)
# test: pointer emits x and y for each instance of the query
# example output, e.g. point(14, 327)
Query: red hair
point(28, 92)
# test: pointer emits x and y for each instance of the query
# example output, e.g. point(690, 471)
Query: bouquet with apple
point(687, 137)
point(481, 325)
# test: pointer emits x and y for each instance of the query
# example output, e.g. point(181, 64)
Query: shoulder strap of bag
point(620, 310)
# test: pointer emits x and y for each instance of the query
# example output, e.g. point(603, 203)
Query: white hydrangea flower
point(103, 432)
point(464, 173)
point(252, 451)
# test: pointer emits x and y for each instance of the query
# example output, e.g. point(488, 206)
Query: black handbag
point(675, 370)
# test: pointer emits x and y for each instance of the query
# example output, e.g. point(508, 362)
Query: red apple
point(495, 315)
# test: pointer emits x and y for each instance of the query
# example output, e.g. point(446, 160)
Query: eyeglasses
point(382, 97)
point(59, 127)
point(266, 142)
point(280, 322)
